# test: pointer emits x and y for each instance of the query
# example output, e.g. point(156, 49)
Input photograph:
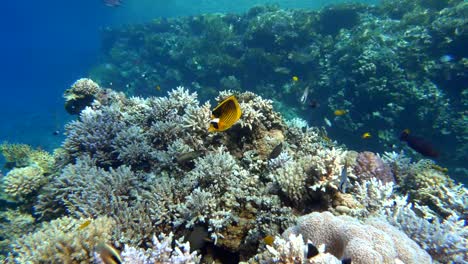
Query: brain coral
point(369, 165)
point(373, 242)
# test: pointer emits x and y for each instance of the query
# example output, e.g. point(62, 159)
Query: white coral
point(327, 163)
point(161, 252)
point(373, 195)
point(291, 179)
point(446, 241)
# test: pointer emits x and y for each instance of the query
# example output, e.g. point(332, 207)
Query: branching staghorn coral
point(198, 205)
point(13, 224)
point(327, 165)
point(94, 134)
point(291, 178)
point(292, 250)
point(446, 241)
point(161, 251)
point(87, 190)
point(219, 190)
point(373, 196)
point(132, 146)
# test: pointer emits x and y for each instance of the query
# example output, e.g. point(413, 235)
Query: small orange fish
point(340, 112)
point(84, 224)
point(439, 168)
point(295, 79)
point(366, 135)
point(269, 240)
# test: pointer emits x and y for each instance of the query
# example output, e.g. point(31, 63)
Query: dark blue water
point(45, 48)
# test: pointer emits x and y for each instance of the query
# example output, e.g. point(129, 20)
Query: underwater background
point(354, 117)
point(48, 45)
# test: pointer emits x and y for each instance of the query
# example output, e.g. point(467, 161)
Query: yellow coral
point(13, 224)
point(16, 153)
point(66, 242)
point(43, 159)
point(20, 182)
point(22, 155)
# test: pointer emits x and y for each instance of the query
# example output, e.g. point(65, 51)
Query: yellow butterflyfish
point(366, 135)
point(295, 79)
point(225, 115)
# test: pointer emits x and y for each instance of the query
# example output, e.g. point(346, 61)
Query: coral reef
point(292, 250)
point(81, 94)
point(21, 182)
point(396, 65)
point(13, 224)
point(21, 155)
point(149, 166)
point(16, 154)
point(68, 241)
point(161, 252)
point(133, 169)
point(446, 241)
point(373, 242)
point(369, 165)
point(428, 184)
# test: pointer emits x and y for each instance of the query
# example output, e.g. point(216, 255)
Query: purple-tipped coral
point(94, 134)
point(369, 165)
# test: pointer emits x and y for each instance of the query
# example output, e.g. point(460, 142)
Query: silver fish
point(344, 182)
point(305, 95)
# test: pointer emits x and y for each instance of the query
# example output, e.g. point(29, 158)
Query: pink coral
point(369, 165)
